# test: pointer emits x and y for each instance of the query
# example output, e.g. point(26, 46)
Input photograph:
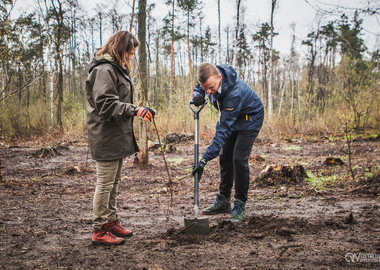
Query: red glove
point(145, 113)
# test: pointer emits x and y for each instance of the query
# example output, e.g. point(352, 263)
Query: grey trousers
point(108, 175)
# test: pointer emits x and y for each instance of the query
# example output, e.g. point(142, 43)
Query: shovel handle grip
point(196, 111)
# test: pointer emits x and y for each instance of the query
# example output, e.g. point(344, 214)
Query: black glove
point(145, 113)
point(198, 100)
point(199, 169)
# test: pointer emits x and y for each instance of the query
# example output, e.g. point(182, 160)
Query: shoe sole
point(124, 235)
point(97, 243)
point(236, 220)
point(228, 211)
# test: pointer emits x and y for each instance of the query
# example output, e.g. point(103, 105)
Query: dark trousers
point(233, 162)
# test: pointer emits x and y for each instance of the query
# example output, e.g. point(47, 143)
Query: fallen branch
point(1, 176)
point(18, 89)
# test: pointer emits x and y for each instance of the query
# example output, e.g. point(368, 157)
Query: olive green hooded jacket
point(110, 111)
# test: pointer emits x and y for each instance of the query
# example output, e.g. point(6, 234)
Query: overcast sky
point(301, 12)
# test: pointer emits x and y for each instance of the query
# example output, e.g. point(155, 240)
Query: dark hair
point(120, 46)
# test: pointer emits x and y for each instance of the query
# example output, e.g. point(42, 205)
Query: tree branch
point(19, 89)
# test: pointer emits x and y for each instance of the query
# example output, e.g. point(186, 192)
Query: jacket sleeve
point(230, 113)
point(198, 90)
point(105, 96)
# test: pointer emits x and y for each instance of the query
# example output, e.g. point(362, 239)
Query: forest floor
point(327, 221)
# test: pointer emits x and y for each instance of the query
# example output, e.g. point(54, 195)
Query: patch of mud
point(46, 204)
point(368, 186)
point(256, 227)
point(78, 170)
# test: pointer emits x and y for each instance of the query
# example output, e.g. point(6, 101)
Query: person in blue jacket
point(241, 115)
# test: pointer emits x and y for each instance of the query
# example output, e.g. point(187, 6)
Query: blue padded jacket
point(240, 109)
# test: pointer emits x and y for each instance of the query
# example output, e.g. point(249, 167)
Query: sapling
point(348, 135)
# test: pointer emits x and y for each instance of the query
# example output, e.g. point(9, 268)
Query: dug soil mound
point(281, 175)
point(368, 186)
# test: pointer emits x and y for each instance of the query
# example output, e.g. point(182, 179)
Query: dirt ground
point(46, 203)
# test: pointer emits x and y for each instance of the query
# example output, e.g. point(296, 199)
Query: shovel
point(196, 225)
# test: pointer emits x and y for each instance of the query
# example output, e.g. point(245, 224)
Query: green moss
point(293, 148)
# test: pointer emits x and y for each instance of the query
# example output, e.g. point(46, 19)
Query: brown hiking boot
point(118, 230)
point(103, 237)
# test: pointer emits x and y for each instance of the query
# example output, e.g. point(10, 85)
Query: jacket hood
point(229, 77)
point(102, 59)
point(98, 60)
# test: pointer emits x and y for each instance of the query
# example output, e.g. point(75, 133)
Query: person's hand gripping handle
point(145, 113)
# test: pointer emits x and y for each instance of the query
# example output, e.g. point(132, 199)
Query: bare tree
point(57, 11)
point(143, 72)
point(189, 6)
point(172, 57)
point(219, 33)
point(270, 98)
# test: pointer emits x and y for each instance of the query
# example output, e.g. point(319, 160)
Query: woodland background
point(44, 53)
point(314, 170)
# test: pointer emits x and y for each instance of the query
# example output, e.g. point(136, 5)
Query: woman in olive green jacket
point(110, 113)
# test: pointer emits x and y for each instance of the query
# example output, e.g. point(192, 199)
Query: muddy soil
point(46, 203)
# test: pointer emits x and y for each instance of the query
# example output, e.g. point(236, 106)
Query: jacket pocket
point(126, 126)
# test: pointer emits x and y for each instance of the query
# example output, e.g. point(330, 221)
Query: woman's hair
point(120, 47)
point(206, 70)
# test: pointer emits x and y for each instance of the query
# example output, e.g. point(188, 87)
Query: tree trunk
point(158, 71)
point(143, 71)
point(258, 73)
point(228, 46)
point(299, 101)
point(219, 34)
point(172, 63)
point(52, 97)
point(58, 13)
point(270, 102)
point(201, 37)
point(73, 56)
point(238, 2)
point(1, 175)
point(100, 28)
point(60, 93)
point(189, 53)
point(282, 96)
point(292, 99)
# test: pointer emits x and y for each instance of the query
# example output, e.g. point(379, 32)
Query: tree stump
point(331, 161)
point(51, 151)
point(46, 152)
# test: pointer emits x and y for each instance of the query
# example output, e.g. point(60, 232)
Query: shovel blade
point(197, 226)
